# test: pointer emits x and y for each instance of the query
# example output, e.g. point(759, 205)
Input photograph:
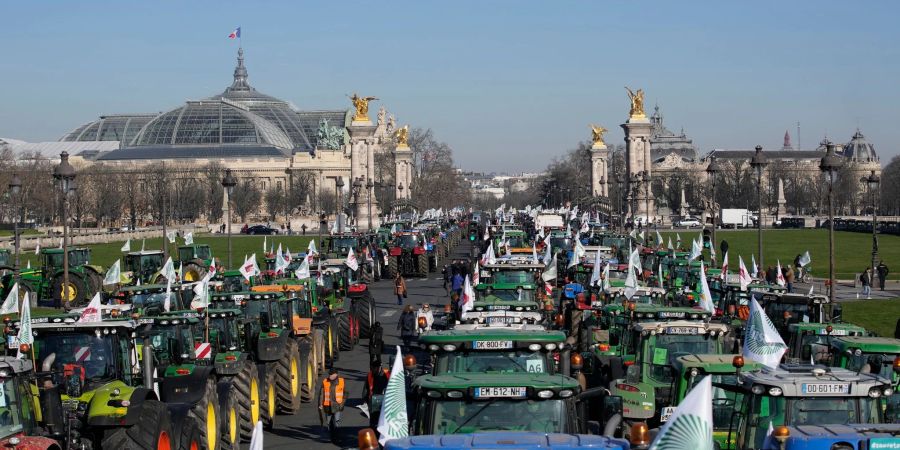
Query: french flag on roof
point(236, 34)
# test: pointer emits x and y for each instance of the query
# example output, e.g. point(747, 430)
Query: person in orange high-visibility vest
point(331, 396)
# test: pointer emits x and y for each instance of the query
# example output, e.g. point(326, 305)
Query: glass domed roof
point(121, 127)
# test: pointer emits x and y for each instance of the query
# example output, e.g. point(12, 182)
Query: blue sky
point(508, 84)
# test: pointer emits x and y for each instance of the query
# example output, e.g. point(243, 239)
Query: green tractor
point(21, 413)
point(810, 342)
point(149, 299)
point(47, 282)
point(6, 262)
point(196, 259)
point(145, 266)
point(870, 354)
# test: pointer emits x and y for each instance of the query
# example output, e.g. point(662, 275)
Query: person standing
point(446, 274)
point(426, 314)
point(400, 288)
point(457, 284)
point(866, 279)
point(789, 278)
point(376, 342)
point(407, 326)
point(883, 271)
point(331, 406)
point(376, 383)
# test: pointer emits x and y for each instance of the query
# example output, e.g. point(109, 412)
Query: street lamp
point(369, 186)
point(645, 177)
point(759, 163)
point(15, 187)
point(620, 198)
point(872, 182)
point(289, 204)
point(830, 165)
point(357, 186)
point(338, 201)
point(64, 174)
point(713, 170)
point(228, 183)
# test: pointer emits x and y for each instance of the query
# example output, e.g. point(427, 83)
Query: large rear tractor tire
point(93, 280)
point(333, 342)
point(345, 329)
point(319, 344)
point(206, 413)
point(270, 397)
point(248, 392)
point(308, 369)
point(364, 311)
point(153, 430)
point(393, 267)
point(78, 290)
point(231, 420)
point(288, 378)
point(189, 437)
point(193, 272)
point(422, 265)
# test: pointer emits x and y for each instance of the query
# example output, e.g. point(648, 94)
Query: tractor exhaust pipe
point(147, 361)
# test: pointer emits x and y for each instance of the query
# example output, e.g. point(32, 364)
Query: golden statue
point(402, 135)
point(597, 135)
point(637, 102)
point(362, 107)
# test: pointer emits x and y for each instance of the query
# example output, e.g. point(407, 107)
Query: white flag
point(805, 259)
point(659, 239)
point(534, 256)
point(595, 274)
point(547, 254)
point(476, 274)
point(114, 274)
point(630, 283)
point(127, 247)
point(302, 272)
point(249, 268)
point(392, 421)
point(753, 267)
point(167, 303)
point(168, 269)
point(634, 260)
point(550, 271)
point(256, 438)
point(762, 342)
point(779, 278)
point(170, 235)
point(678, 240)
point(705, 295)
point(280, 263)
point(467, 302)
point(745, 277)
point(201, 290)
point(28, 265)
point(311, 248)
point(11, 304)
point(264, 244)
point(91, 312)
point(351, 261)
point(37, 250)
point(696, 250)
point(24, 336)
point(671, 247)
point(189, 238)
point(691, 425)
point(725, 267)
point(606, 277)
point(577, 253)
point(489, 257)
point(633, 233)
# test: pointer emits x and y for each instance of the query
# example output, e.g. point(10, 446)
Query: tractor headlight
point(433, 347)
point(775, 391)
point(758, 389)
point(534, 347)
point(449, 347)
point(888, 391)
point(874, 392)
point(565, 393)
point(545, 394)
point(551, 346)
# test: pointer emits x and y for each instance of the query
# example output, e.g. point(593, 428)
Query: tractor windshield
point(462, 416)
point(668, 347)
point(15, 406)
point(505, 295)
point(93, 351)
point(167, 340)
point(724, 402)
point(155, 301)
point(513, 277)
point(223, 333)
point(344, 244)
point(560, 242)
point(517, 242)
point(203, 252)
point(507, 361)
point(407, 241)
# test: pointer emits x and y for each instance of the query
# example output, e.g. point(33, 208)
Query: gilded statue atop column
point(402, 135)
point(597, 135)
point(637, 103)
point(362, 107)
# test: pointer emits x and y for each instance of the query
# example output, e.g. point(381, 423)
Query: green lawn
point(22, 232)
point(106, 254)
point(853, 251)
point(879, 316)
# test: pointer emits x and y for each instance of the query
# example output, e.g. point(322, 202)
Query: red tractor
point(408, 255)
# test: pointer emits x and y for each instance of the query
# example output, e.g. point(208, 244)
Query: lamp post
point(645, 177)
point(357, 187)
point(228, 183)
point(713, 170)
point(872, 182)
point(338, 201)
point(64, 174)
point(830, 165)
point(15, 187)
point(369, 186)
point(289, 205)
point(759, 163)
point(620, 198)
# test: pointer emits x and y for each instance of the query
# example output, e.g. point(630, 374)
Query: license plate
point(834, 332)
point(666, 413)
point(498, 307)
point(491, 345)
point(681, 330)
point(12, 342)
point(491, 320)
point(492, 392)
point(826, 388)
point(890, 443)
point(670, 314)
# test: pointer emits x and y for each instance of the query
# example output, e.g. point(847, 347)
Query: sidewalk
point(846, 291)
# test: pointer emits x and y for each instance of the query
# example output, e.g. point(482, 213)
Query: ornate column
point(402, 164)
point(362, 139)
point(637, 156)
point(599, 158)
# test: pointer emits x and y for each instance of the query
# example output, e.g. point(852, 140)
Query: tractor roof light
point(551, 346)
point(449, 347)
point(367, 439)
point(454, 394)
point(897, 365)
point(409, 362)
point(576, 361)
point(737, 362)
point(639, 436)
point(434, 394)
point(565, 393)
point(775, 391)
point(781, 433)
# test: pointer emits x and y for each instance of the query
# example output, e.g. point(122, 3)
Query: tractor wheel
point(287, 375)
point(247, 392)
point(270, 396)
point(231, 422)
point(308, 368)
point(364, 311)
point(189, 437)
point(94, 280)
point(319, 346)
point(345, 330)
point(422, 261)
point(26, 291)
point(368, 276)
point(193, 272)
point(78, 292)
point(332, 344)
point(206, 412)
point(393, 268)
point(153, 430)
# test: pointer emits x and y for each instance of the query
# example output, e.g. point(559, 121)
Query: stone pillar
point(782, 202)
point(599, 173)
point(361, 165)
point(637, 160)
point(402, 171)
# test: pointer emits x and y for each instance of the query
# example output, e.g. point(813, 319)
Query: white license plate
point(12, 342)
point(681, 330)
point(499, 307)
point(666, 413)
point(491, 345)
point(491, 320)
point(825, 388)
point(492, 392)
point(834, 332)
point(671, 314)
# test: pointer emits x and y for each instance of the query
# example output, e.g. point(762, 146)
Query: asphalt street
point(303, 429)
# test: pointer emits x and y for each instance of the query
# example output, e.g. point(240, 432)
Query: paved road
point(302, 430)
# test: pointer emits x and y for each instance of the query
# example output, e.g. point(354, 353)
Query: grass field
point(853, 251)
point(22, 232)
point(879, 316)
point(106, 254)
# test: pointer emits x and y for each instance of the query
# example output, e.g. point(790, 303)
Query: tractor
point(407, 255)
point(47, 282)
point(6, 262)
point(196, 260)
point(338, 247)
point(145, 266)
point(19, 411)
point(332, 292)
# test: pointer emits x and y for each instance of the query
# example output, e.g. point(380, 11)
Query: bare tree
point(245, 198)
point(890, 188)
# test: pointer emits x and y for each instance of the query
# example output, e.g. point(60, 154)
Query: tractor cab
point(811, 342)
point(806, 406)
point(869, 354)
point(476, 402)
point(226, 340)
point(173, 341)
point(194, 251)
point(784, 309)
point(650, 378)
point(265, 325)
point(497, 349)
point(149, 299)
point(339, 245)
point(408, 255)
point(145, 266)
point(19, 427)
point(507, 297)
